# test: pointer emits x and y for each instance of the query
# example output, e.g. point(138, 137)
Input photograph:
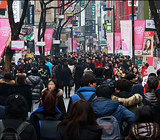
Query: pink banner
point(74, 44)
point(139, 28)
point(110, 42)
point(117, 42)
point(69, 43)
point(48, 39)
point(5, 32)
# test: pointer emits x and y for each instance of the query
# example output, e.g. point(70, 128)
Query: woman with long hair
point(54, 88)
point(80, 124)
point(147, 47)
point(47, 109)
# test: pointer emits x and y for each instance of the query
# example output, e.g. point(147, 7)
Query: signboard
point(3, 4)
point(109, 27)
point(93, 11)
point(17, 44)
point(110, 42)
point(30, 15)
point(130, 2)
point(56, 42)
point(40, 44)
point(150, 24)
point(16, 10)
point(148, 44)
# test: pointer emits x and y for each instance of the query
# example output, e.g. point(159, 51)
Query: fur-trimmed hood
point(60, 92)
point(127, 102)
point(3, 81)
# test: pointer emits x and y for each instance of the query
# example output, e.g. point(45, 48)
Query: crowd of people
point(106, 88)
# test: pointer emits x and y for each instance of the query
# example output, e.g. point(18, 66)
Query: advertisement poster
point(48, 39)
point(69, 43)
point(117, 42)
point(35, 40)
point(5, 32)
point(139, 28)
point(110, 42)
point(74, 44)
point(126, 35)
point(148, 44)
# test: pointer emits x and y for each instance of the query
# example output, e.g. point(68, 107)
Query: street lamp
point(110, 9)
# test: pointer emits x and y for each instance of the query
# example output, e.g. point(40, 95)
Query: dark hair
point(86, 79)
point(20, 69)
point(130, 76)
point(107, 73)
point(98, 72)
point(20, 80)
point(123, 85)
point(145, 114)
point(49, 101)
point(16, 107)
point(152, 82)
point(103, 91)
point(47, 59)
point(56, 84)
point(158, 72)
point(7, 76)
point(152, 74)
point(81, 114)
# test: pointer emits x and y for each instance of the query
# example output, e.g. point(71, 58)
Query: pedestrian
point(80, 124)
point(66, 77)
point(49, 64)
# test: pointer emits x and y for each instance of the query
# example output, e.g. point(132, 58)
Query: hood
point(145, 131)
point(60, 93)
point(103, 107)
point(8, 82)
point(34, 79)
point(86, 89)
point(123, 94)
point(131, 101)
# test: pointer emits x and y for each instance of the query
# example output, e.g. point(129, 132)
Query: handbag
point(71, 83)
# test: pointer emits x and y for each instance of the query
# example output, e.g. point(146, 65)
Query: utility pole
point(133, 54)
point(114, 20)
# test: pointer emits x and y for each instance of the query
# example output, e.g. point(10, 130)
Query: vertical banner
point(48, 39)
point(126, 35)
point(110, 42)
point(117, 42)
point(36, 40)
point(74, 44)
point(5, 32)
point(148, 44)
point(139, 28)
point(69, 45)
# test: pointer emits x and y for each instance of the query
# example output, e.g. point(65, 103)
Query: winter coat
point(66, 76)
point(36, 84)
point(98, 64)
point(71, 67)
point(150, 98)
point(131, 102)
point(106, 107)
point(28, 134)
point(87, 92)
point(78, 73)
point(87, 132)
point(5, 90)
point(39, 114)
point(144, 131)
point(25, 91)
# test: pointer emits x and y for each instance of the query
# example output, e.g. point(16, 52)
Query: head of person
point(21, 80)
point(7, 76)
point(122, 85)
point(104, 91)
point(53, 85)
point(16, 107)
point(22, 61)
point(131, 77)
point(107, 74)
point(65, 65)
point(99, 72)
point(34, 71)
point(145, 114)
point(19, 70)
point(148, 44)
point(158, 72)
point(152, 82)
point(49, 101)
point(88, 80)
point(81, 114)
point(47, 59)
point(1, 68)
point(135, 70)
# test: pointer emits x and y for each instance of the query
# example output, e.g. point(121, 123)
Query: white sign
point(130, 2)
point(41, 44)
point(144, 80)
point(98, 8)
point(150, 24)
point(82, 17)
point(17, 45)
point(16, 10)
point(56, 42)
point(61, 16)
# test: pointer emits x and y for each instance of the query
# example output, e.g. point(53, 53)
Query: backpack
point(48, 126)
point(10, 133)
point(90, 99)
point(110, 127)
